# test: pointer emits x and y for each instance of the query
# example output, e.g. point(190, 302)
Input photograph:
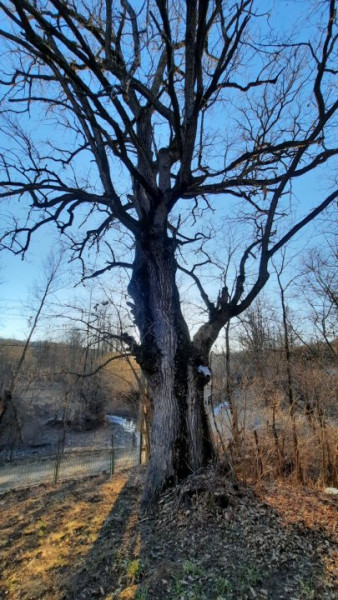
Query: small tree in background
point(320, 288)
point(8, 405)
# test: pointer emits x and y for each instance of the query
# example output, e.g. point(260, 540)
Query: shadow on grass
point(48, 533)
point(202, 553)
point(88, 540)
point(113, 561)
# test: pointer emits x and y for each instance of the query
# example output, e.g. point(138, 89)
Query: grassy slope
point(88, 540)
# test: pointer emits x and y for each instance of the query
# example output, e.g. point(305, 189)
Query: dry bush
point(273, 436)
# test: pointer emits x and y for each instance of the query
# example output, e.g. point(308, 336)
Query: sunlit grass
point(56, 535)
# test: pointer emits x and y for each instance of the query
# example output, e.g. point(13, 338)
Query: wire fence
point(67, 465)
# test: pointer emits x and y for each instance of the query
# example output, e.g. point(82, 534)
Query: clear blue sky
point(18, 279)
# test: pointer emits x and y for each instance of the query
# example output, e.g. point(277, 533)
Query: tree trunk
point(181, 441)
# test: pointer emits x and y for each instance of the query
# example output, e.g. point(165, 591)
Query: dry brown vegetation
point(282, 417)
point(210, 538)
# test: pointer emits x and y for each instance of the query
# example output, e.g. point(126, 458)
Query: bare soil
point(211, 538)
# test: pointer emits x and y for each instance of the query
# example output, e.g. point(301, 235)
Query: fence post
point(140, 447)
point(112, 457)
point(57, 466)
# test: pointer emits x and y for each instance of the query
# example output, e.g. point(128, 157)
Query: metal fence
point(67, 465)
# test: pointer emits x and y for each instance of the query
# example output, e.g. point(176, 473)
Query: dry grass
point(258, 458)
point(268, 425)
point(47, 533)
point(88, 540)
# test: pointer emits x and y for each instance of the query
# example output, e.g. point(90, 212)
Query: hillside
point(62, 386)
point(211, 538)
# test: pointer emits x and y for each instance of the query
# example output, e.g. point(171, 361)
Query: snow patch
point(127, 425)
point(331, 490)
point(204, 370)
point(223, 407)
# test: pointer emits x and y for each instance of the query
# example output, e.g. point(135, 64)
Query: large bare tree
point(155, 115)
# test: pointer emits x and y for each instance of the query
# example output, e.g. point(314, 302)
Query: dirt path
point(211, 539)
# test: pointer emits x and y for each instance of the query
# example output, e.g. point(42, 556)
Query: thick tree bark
point(181, 441)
